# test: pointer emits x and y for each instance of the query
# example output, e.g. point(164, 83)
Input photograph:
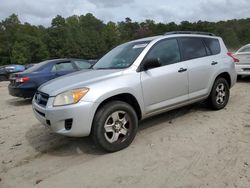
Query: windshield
point(122, 56)
point(36, 67)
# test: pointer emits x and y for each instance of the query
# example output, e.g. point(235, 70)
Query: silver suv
point(134, 81)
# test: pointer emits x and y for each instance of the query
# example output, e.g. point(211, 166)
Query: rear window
point(37, 67)
point(192, 48)
point(63, 66)
point(82, 64)
point(213, 45)
point(245, 49)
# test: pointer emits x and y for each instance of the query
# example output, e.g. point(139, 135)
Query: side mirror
point(150, 64)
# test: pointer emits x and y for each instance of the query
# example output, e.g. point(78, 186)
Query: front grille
point(41, 98)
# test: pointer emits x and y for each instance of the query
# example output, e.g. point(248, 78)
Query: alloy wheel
point(117, 127)
point(220, 93)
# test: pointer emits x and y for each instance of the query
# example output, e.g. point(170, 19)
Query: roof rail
point(189, 32)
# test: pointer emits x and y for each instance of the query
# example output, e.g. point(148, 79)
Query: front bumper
point(81, 115)
point(243, 69)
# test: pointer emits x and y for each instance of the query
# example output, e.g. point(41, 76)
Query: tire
point(114, 126)
point(219, 95)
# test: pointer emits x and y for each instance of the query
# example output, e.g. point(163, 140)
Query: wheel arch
point(226, 76)
point(124, 97)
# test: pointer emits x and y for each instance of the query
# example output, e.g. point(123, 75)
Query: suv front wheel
point(114, 126)
point(219, 95)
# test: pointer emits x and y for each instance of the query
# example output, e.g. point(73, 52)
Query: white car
point(243, 55)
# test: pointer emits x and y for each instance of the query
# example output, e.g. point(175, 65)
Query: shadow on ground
point(171, 116)
point(243, 79)
point(43, 141)
point(19, 102)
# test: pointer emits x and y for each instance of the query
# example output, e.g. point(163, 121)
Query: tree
point(9, 30)
point(56, 38)
point(111, 35)
point(128, 29)
point(20, 53)
point(87, 37)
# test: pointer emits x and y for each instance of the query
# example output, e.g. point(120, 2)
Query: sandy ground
point(188, 147)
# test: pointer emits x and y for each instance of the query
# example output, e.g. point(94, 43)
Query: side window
point(166, 51)
point(213, 45)
point(65, 66)
point(82, 64)
point(192, 48)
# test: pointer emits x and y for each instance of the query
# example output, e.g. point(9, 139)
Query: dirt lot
point(188, 147)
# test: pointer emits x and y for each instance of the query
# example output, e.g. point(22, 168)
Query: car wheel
point(219, 95)
point(114, 126)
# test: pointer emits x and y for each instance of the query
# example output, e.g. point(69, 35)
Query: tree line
point(87, 37)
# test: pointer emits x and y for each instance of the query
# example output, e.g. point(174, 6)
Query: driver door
point(166, 85)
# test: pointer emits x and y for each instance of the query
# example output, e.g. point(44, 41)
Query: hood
point(77, 80)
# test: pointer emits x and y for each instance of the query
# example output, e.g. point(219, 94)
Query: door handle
point(182, 70)
point(214, 63)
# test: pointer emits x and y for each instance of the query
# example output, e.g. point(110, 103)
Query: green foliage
point(87, 37)
point(20, 53)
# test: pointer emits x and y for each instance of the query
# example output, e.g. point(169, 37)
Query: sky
point(41, 12)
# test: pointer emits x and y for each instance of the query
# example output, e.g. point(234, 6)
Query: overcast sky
point(42, 11)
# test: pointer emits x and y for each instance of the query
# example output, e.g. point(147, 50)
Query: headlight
point(70, 97)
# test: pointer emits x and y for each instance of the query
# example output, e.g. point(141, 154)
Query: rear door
point(201, 64)
point(166, 85)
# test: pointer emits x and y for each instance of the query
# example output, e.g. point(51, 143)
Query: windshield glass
point(122, 56)
point(36, 67)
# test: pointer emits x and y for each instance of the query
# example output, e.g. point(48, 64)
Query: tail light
point(232, 56)
point(23, 79)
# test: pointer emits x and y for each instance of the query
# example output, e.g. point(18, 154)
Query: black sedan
point(26, 83)
point(6, 70)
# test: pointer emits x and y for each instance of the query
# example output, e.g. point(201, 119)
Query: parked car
point(6, 70)
point(134, 81)
point(26, 83)
point(2, 74)
point(243, 65)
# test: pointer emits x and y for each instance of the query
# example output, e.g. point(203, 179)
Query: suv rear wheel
point(114, 126)
point(219, 95)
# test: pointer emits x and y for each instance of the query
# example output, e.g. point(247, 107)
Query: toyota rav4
point(134, 81)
